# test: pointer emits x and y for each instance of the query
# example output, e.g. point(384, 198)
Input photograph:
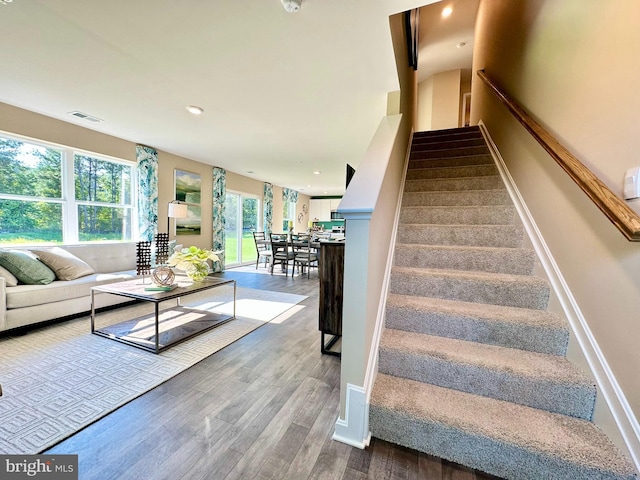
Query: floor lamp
point(176, 210)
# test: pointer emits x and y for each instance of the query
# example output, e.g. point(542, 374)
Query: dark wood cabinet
point(331, 274)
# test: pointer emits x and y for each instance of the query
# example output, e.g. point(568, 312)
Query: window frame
point(239, 231)
point(290, 216)
point(68, 202)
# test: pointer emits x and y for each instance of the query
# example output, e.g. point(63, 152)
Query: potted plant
point(194, 261)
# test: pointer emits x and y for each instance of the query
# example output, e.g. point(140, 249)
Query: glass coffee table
point(163, 328)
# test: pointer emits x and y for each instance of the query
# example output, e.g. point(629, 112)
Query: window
point(51, 194)
point(288, 215)
point(103, 199)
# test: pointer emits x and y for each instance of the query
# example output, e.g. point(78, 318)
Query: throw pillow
point(26, 268)
point(65, 265)
point(10, 279)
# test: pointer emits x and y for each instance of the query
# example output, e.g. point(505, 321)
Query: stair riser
point(522, 294)
point(452, 172)
point(450, 152)
point(451, 162)
point(493, 182)
point(421, 145)
point(567, 399)
point(515, 262)
point(478, 235)
point(475, 197)
point(483, 453)
point(448, 133)
point(482, 330)
point(480, 215)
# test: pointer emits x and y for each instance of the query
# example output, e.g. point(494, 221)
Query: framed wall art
point(188, 186)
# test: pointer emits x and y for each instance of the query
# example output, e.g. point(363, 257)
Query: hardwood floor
point(262, 408)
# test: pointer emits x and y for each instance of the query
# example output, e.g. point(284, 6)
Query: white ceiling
point(439, 37)
point(284, 94)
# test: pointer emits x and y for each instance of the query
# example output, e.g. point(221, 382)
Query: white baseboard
point(604, 377)
point(354, 429)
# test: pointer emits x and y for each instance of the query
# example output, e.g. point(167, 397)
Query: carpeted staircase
point(472, 366)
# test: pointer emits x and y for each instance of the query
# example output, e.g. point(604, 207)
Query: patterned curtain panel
point(219, 196)
point(268, 208)
point(147, 160)
point(289, 195)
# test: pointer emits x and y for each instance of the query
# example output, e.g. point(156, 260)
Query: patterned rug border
point(58, 379)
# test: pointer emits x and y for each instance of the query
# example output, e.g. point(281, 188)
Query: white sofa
point(23, 305)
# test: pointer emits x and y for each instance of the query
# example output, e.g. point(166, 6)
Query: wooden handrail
point(616, 210)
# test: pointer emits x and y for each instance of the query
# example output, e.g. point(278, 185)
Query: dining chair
point(263, 248)
point(305, 255)
point(281, 250)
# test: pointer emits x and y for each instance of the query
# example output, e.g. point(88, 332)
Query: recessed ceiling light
point(5, 2)
point(292, 6)
point(447, 11)
point(324, 191)
point(317, 172)
point(196, 110)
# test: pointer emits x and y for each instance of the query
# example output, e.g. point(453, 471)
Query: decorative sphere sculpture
point(163, 276)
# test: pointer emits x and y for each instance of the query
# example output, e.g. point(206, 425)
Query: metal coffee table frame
point(135, 289)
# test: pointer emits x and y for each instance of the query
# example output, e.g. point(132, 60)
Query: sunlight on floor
point(262, 310)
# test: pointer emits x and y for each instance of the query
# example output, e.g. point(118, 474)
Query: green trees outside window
point(241, 219)
point(32, 176)
point(102, 191)
point(36, 208)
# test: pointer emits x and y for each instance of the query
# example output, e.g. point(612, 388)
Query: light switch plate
point(632, 183)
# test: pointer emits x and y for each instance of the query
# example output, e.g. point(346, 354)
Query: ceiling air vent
point(85, 116)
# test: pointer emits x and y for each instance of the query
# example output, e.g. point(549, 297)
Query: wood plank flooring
point(261, 408)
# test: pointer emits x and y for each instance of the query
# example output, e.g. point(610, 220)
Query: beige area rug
point(60, 378)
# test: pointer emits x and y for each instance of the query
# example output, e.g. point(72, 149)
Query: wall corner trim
point(354, 429)
point(606, 382)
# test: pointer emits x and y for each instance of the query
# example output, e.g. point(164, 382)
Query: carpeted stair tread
point(516, 261)
point(466, 198)
point(461, 171)
point(522, 291)
point(501, 438)
point(480, 235)
point(526, 329)
point(465, 160)
point(534, 379)
point(460, 215)
point(472, 365)
point(489, 182)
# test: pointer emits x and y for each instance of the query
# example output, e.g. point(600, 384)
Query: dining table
point(292, 245)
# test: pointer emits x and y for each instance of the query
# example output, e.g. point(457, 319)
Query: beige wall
point(439, 100)
point(23, 122)
point(425, 105)
point(574, 65)
point(29, 124)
